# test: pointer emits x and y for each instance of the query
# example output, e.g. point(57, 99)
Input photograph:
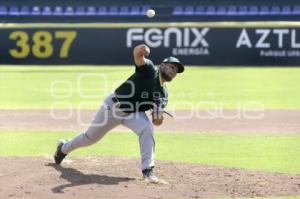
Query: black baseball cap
point(175, 61)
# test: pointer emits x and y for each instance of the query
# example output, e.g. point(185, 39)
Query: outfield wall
point(216, 43)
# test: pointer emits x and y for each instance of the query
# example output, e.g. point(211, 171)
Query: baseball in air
point(150, 13)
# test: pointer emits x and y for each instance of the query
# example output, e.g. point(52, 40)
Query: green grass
point(277, 153)
point(201, 87)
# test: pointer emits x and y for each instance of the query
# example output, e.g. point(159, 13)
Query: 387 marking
point(42, 46)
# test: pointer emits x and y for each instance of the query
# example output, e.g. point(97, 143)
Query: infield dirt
point(227, 121)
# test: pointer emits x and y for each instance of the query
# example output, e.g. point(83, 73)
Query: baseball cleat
point(149, 176)
point(59, 155)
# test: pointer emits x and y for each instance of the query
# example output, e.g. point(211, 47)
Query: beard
point(166, 77)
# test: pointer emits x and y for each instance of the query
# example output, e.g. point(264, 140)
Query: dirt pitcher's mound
point(109, 177)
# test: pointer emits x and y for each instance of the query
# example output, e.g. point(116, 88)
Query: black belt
point(116, 100)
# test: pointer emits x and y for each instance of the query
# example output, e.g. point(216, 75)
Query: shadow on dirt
point(77, 178)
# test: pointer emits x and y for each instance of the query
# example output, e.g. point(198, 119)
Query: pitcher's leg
point(140, 124)
point(147, 147)
point(102, 123)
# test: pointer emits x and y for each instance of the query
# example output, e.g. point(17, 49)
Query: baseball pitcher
point(144, 90)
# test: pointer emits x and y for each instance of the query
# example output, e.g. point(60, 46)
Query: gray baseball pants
point(110, 116)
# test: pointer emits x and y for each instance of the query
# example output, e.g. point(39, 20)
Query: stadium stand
point(140, 10)
point(235, 10)
point(73, 11)
point(166, 10)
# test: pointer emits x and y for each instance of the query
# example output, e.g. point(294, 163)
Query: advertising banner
point(109, 44)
